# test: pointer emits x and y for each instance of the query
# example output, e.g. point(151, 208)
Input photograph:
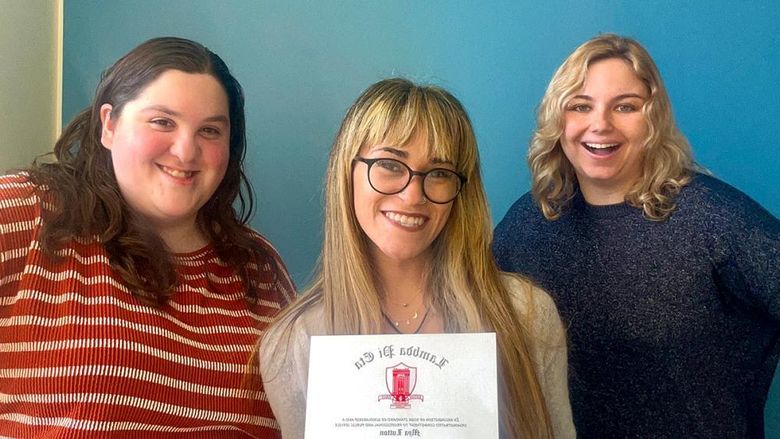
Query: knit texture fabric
point(81, 357)
point(673, 325)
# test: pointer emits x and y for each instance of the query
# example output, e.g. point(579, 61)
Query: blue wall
point(303, 63)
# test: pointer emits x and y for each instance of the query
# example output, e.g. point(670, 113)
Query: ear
point(107, 126)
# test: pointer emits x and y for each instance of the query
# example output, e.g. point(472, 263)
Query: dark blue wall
point(302, 63)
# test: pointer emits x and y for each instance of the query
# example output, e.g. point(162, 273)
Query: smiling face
point(170, 148)
point(605, 131)
point(400, 227)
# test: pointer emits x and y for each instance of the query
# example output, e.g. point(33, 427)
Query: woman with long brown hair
point(131, 290)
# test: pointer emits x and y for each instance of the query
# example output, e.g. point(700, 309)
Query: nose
point(185, 147)
point(413, 192)
point(601, 120)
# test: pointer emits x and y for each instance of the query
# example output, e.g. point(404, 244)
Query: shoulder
point(271, 268)
point(263, 242)
point(17, 190)
point(266, 248)
point(718, 204)
point(522, 223)
point(20, 203)
point(284, 363)
point(522, 210)
point(291, 331)
point(708, 192)
point(535, 307)
point(20, 221)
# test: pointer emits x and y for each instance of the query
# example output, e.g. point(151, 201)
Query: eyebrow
point(163, 109)
point(394, 151)
point(616, 98)
point(403, 154)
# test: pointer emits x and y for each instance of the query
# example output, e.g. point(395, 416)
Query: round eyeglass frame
point(370, 162)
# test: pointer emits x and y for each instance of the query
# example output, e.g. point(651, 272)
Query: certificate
point(431, 386)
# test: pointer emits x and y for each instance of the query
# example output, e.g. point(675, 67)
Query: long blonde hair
point(467, 288)
point(667, 159)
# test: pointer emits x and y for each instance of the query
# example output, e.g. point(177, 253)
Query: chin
point(400, 255)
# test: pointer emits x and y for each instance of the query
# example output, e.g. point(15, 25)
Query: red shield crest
point(400, 381)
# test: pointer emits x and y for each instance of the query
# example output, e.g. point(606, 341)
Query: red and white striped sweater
point(81, 357)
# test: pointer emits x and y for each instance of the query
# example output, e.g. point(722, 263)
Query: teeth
point(406, 221)
point(601, 145)
point(176, 173)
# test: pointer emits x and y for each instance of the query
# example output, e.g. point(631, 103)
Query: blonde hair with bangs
point(464, 280)
point(667, 160)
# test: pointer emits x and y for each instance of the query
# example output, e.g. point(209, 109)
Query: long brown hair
point(83, 196)
point(667, 159)
point(465, 280)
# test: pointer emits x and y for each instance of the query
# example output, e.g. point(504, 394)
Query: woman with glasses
point(668, 278)
point(407, 250)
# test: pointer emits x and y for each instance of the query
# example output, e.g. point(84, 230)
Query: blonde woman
point(669, 279)
point(407, 250)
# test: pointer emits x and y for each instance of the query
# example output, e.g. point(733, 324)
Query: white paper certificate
point(431, 386)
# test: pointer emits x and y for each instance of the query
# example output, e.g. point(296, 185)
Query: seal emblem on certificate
point(401, 381)
point(396, 385)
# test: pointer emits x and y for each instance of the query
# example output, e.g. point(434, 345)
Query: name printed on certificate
point(432, 386)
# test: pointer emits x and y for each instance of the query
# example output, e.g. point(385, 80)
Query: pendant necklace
point(395, 324)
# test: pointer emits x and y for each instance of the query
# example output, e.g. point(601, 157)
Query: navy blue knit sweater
point(674, 326)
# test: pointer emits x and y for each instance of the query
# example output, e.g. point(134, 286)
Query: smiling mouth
point(176, 173)
point(405, 220)
point(601, 148)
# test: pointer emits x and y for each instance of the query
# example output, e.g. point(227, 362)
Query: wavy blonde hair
point(467, 287)
point(667, 161)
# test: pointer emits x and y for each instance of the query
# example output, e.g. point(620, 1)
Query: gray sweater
point(673, 325)
point(284, 362)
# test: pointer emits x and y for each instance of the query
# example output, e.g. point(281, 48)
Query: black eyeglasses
point(390, 176)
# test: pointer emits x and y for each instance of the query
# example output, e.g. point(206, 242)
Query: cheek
point(572, 128)
point(362, 193)
point(443, 217)
point(360, 201)
point(139, 145)
point(639, 130)
point(217, 156)
point(568, 145)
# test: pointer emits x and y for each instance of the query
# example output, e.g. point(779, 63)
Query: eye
point(625, 108)
point(390, 166)
point(579, 108)
point(211, 132)
point(162, 123)
point(441, 174)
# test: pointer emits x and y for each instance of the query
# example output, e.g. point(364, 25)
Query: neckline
point(205, 251)
point(605, 211)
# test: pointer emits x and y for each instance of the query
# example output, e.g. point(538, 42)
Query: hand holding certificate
point(430, 386)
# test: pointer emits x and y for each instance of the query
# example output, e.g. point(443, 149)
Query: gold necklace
point(394, 324)
point(407, 321)
point(408, 302)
